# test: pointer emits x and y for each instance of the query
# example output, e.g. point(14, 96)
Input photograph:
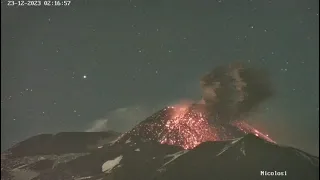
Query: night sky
point(108, 64)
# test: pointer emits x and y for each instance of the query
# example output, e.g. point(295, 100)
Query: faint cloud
point(124, 119)
point(120, 110)
point(121, 119)
point(98, 126)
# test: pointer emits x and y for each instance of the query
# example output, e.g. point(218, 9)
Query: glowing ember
point(245, 127)
point(188, 129)
point(187, 126)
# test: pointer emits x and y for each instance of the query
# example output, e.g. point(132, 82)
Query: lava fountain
point(188, 127)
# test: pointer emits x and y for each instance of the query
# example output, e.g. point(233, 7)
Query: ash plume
point(232, 92)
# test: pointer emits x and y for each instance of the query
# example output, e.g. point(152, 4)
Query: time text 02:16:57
point(38, 3)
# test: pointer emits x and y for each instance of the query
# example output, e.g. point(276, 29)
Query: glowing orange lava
point(188, 127)
point(245, 127)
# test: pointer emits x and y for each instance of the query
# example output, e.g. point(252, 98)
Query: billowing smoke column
point(231, 92)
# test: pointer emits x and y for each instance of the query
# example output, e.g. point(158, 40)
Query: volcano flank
point(188, 126)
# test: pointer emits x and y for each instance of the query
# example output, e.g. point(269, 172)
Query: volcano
point(188, 126)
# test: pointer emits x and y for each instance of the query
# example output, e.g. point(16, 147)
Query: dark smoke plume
point(232, 92)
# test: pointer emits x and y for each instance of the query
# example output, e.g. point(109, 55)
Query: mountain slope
point(37, 154)
point(174, 143)
point(241, 158)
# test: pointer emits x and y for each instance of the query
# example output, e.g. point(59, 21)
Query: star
point(84, 76)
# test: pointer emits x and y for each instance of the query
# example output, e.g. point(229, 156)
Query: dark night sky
point(72, 68)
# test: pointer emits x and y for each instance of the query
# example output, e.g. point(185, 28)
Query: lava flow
point(188, 127)
point(245, 127)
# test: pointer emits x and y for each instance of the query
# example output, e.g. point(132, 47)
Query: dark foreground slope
point(140, 159)
point(37, 154)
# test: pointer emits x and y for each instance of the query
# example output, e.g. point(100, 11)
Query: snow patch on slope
point(65, 158)
point(242, 149)
point(21, 174)
point(109, 165)
point(117, 139)
point(82, 178)
point(128, 141)
point(313, 161)
point(228, 146)
point(175, 156)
